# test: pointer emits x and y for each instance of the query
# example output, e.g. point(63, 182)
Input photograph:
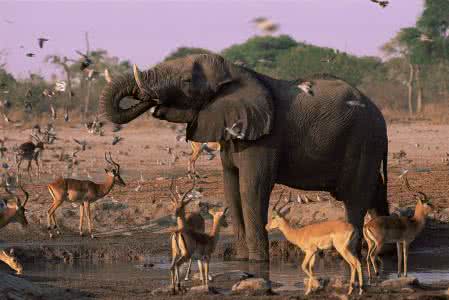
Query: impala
point(197, 149)
point(396, 229)
point(29, 151)
point(83, 192)
point(193, 221)
point(9, 214)
point(321, 236)
point(187, 244)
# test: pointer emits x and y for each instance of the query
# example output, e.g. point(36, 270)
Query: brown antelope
point(396, 229)
point(187, 244)
point(30, 152)
point(11, 260)
point(9, 214)
point(193, 221)
point(321, 236)
point(197, 149)
point(83, 192)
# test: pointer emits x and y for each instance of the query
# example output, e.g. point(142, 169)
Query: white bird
point(403, 173)
point(306, 87)
point(355, 103)
point(425, 38)
point(234, 131)
point(265, 25)
point(60, 86)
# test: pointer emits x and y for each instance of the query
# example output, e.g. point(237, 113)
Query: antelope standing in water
point(83, 192)
point(396, 229)
point(320, 236)
point(187, 244)
point(193, 221)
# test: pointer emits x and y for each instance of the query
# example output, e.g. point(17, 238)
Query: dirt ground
point(131, 224)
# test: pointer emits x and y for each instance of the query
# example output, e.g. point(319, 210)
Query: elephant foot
point(261, 254)
point(241, 251)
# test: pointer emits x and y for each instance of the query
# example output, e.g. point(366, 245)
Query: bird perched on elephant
point(333, 139)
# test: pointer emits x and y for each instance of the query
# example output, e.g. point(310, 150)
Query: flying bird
point(82, 143)
point(91, 74)
point(60, 86)
point(41, 42)
point(86, 60)
point(30, 54)
point(116, 128)
point(116, 140)
point(382, 3)
point(328, 59)
point(265, 25)
point(28, 107)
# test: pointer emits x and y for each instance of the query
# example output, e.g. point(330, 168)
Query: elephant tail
point(382, 206)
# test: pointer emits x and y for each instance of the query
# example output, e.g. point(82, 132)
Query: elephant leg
point(232, 196)
point(256, 182)
point(359, 182)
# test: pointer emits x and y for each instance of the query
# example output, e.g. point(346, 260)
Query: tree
point(260, 52)
point(184, 51)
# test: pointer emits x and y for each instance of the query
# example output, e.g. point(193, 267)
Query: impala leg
point(399, 246)
point(28, 170)
point(311, 264)
point(192, 162)
point(200, 268)
point(173, 274)
point(37, 165)
point(19, 162)
point(186, 278)
point(52, 219)
point(81, 220)
point(206, 271)
point(179, 261)
point(354, 265)
point(368, 254)
point(89, 217)
point(373, 257)
point(304, 266)
point(405, 248)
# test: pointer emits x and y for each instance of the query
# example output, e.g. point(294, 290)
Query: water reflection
point(428, 266)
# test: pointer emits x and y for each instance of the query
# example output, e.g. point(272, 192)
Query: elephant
point(333, 139)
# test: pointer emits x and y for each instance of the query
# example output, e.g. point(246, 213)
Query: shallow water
point(429, 266)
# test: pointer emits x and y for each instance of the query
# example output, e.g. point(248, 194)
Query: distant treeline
point(414, 75)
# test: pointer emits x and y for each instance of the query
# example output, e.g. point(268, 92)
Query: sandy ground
point(132, 222)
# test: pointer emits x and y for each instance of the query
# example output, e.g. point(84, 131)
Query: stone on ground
point(252, 285)
point(398, 283)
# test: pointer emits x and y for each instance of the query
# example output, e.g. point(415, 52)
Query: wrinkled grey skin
point(334, 140)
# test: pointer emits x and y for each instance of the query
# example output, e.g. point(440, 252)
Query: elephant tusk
point(137, 77)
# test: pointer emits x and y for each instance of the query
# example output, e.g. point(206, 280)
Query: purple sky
point(146, 31)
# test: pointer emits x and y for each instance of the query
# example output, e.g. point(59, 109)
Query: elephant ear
point(241, 110)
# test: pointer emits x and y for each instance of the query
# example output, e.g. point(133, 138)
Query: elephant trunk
point(114, 93)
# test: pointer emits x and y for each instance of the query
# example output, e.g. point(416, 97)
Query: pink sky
point(146, 31)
